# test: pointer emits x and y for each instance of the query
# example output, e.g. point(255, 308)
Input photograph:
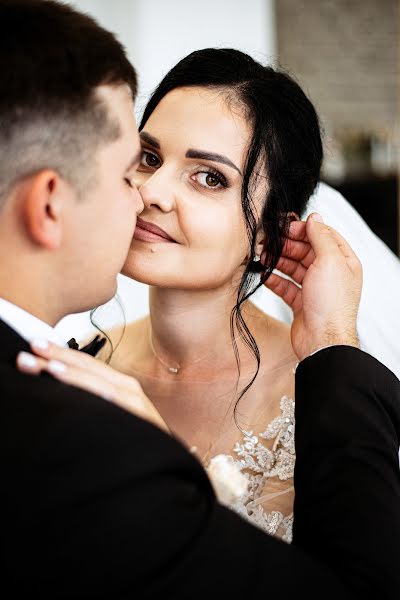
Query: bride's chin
point(143, 271)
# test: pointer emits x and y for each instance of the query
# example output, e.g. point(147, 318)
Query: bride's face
point(190, 179)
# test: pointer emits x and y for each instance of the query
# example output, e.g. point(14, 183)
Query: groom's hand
point(326, 288)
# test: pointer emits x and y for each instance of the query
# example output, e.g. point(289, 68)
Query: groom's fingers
point(292, 268)
point(285, 289)
point(299, 250)
point(296, 250)
point(345, 248)
point(296, 246)
point(298, 231)
point(123, 391)
point(34, 365)
point(81, 360)
point(327, 242)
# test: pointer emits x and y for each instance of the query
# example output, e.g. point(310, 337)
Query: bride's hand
point(83, 371)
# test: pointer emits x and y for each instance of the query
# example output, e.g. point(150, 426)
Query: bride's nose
point(158, 191)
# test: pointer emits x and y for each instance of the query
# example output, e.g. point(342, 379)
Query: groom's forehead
point(120, 106)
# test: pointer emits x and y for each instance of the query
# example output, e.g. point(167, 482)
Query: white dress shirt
point(26, 325)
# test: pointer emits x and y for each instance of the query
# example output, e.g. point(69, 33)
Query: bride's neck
point(192, 327)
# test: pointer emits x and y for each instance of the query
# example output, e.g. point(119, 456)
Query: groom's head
point(68, 150)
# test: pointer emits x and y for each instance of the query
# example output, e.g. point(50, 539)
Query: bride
point(231, 154)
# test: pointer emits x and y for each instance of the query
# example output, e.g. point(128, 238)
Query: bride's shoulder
point(122, 341)
point(273, 336)
point(128, 339)
point(137, 329)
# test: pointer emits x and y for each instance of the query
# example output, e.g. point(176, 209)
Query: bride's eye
point(210, 179)
point(149, 159)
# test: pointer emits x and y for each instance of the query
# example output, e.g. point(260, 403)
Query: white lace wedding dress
point(267, 460)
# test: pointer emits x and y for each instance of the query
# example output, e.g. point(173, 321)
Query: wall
point(346, 54)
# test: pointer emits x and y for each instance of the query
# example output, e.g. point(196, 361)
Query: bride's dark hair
point(285, 149)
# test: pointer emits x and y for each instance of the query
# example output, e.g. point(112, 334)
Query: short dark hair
point(52, 59)
point(285, 140)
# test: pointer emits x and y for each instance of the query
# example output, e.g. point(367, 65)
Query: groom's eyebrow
point(146, 137)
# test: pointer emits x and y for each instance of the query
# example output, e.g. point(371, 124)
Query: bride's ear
point(291, 216)
point(261, 237)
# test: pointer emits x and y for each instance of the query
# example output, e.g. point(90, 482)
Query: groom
point(96, 502)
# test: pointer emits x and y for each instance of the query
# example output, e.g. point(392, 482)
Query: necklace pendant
point(174, 370)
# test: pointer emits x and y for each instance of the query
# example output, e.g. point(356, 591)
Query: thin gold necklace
point(170, 368)
point(174, 370)
point(205, 459)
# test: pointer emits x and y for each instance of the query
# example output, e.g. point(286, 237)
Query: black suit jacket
point(96, 503)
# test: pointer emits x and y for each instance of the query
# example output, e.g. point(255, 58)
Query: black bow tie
point(92, 348)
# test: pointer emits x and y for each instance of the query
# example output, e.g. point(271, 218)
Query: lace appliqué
point(262, 466)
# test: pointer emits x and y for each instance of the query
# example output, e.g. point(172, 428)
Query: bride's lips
point(148, 232)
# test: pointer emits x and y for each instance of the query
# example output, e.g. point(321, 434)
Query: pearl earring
point(256, 258)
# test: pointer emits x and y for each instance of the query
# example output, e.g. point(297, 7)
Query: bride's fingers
point(292, 268)
point(81, 360)
point(50, 351)
point(34, 365)
point(84, 371)
point(285, 289)
point(127, 394)
point(28, 363)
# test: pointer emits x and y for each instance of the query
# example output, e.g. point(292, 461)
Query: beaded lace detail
point(269, 472)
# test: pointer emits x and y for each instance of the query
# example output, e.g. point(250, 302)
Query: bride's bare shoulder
point(130, 336)
point(122, 341)
point(273, 336)
point(137, 328)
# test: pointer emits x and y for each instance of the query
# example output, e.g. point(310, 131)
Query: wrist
point(343, 338)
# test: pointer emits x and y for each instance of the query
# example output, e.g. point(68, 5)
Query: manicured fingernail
point(40, 344)
point(27, 360)
point(56, 367)
point(317, 217)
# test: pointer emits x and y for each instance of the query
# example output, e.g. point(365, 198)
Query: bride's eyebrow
point(146, 137)
point(192, 153)
point(212, 156)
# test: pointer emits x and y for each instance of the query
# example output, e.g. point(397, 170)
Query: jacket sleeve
point(347, 482)
point(105, 505)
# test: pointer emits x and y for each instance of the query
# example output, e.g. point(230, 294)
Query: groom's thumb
point(320, 236)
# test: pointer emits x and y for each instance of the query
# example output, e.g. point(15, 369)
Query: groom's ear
point(42, 202)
